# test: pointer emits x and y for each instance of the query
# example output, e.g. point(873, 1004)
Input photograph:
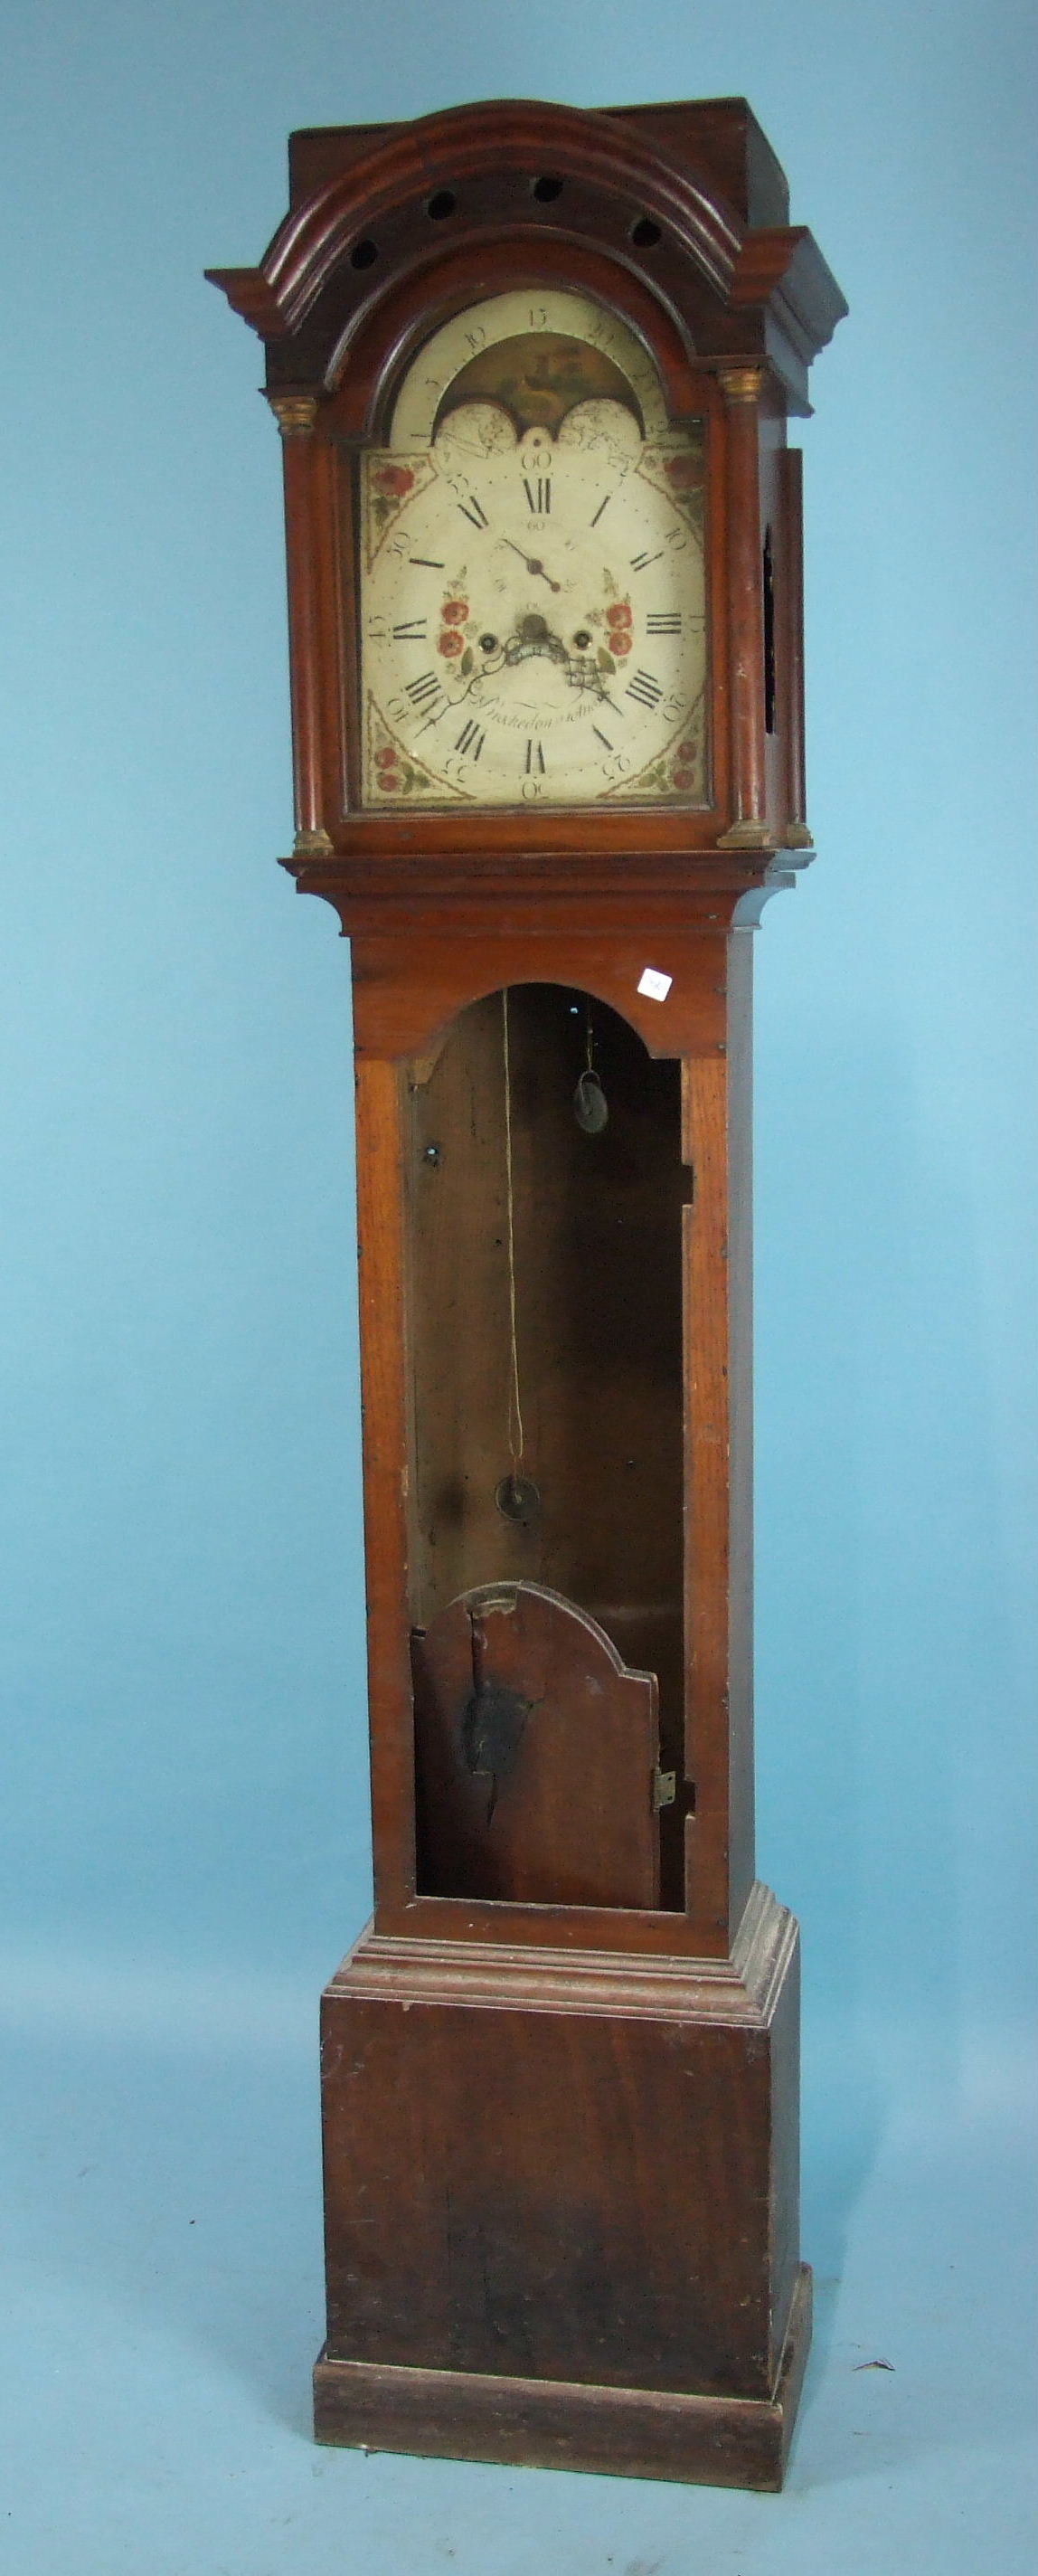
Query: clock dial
point(533, 608)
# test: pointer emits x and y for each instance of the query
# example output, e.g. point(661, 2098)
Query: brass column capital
point(295, 413)
point(741, 384)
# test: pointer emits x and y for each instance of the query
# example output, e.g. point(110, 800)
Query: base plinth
point(559, 2424)
point(561, 2206)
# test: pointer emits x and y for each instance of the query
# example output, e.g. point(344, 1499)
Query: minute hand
point(533, 564)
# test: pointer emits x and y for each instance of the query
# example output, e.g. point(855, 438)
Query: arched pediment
point(464, 153)
point(522, 180)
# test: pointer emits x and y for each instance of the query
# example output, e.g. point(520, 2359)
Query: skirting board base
point(557, 2424)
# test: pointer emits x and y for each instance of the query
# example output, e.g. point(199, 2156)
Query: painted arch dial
point(533, 623)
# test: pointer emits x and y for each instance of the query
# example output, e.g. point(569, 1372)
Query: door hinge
point(664, 1789)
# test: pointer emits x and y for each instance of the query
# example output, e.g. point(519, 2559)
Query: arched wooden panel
point(537, 1753)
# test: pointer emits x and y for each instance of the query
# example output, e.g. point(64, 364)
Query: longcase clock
point(533, 368)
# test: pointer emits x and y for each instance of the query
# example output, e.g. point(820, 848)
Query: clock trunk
point(575, 1237)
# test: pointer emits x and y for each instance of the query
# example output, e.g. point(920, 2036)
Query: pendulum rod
point(516, 1495)
point(516, 1441)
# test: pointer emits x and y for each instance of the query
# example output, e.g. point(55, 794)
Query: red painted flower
point(386, 755)
point(451, 642)
point(619, 612)
point(455, 612)
point(687, 750)
point(389, 782)
point(620, 641)
point(683, 777)
point(397, 479)
point(685, 471)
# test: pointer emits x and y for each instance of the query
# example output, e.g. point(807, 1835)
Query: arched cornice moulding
point(512, 171)
point(467, 143)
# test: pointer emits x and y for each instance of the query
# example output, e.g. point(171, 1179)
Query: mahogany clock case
point(560, 2067)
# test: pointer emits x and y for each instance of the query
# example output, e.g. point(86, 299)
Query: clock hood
point(688, 199)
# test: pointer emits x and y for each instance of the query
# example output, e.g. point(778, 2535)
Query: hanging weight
point(590, 1106)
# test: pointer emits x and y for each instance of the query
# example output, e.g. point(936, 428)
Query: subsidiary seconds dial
point(533, 613)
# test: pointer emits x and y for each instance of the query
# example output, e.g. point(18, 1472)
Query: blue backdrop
point(182, 1624)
